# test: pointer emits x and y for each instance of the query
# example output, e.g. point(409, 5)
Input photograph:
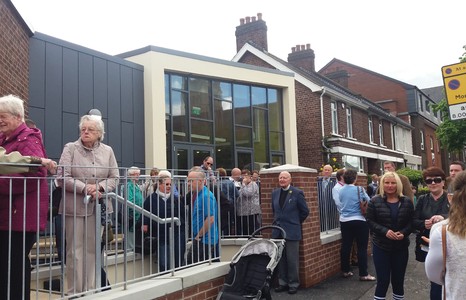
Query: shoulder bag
point(362, 203)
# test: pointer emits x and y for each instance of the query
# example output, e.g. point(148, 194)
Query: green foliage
point(415, 176)
point(450, 133)
point(422, 190)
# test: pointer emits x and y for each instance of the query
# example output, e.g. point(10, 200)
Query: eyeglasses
point(208, 163)
point(432, 180)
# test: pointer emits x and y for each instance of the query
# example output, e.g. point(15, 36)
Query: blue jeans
point(351, 230)
point(435, 291)
point(390, 266)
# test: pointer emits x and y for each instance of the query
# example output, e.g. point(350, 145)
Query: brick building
point(14, 52)
point(332, 121)
point(401, 99)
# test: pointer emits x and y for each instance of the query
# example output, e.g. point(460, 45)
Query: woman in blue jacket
point(353, 225)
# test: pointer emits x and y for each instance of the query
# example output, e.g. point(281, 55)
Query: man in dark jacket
point(290, 210)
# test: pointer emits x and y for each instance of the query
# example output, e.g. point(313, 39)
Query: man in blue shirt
point(204, 218)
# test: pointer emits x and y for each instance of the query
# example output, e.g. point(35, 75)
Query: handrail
point(142, 210)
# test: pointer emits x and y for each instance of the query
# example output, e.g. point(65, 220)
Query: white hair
point(12, 105)
point(133, 170)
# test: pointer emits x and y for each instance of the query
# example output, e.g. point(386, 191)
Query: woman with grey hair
point(89, 169)
point(23, 200)
point(134, 195)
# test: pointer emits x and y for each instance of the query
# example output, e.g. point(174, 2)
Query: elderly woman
point(134, 195)
point(430, 209)
point(455, 277)
point(151, 183)
point(353, 226)
point(89, 169)
point(23, 200)
point(160, 203)
point(248, 207)
point(389, 216)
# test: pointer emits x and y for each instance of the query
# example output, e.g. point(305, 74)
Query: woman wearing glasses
point(430, 209)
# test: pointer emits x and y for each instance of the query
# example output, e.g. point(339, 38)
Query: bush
point(415, 176)
point(422, 190)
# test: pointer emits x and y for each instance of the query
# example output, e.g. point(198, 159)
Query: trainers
point(347, 274)
point(367, 278)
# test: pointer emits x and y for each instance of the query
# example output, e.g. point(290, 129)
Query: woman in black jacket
point(430, 209)
point(389, 216)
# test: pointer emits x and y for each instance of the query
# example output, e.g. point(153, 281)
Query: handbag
point(107, 233)
point(444, 253)
point(362, 204)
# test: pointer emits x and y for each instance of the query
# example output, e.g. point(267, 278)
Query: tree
point(449, 132)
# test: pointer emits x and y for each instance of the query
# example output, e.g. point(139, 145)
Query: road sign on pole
point(454, 81)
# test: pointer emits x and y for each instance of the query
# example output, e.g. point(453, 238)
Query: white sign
point(458, 111)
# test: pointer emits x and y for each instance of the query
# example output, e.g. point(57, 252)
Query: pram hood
point(273, 248)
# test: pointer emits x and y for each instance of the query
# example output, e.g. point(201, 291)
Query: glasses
point(433, 180)
point(208, 163)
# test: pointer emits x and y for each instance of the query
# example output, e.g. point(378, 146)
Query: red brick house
point(333, 122)
point(14, 52)
point(401, 99)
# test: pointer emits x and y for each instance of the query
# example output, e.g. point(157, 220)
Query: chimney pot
point(303, 47)
point(308, 46)
point(297, 48)
point(248, 19)
point(293, 49)
point(254, 19)
point(259, 16)
point(241, 21)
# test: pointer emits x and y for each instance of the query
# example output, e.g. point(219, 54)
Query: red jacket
point(29, 191)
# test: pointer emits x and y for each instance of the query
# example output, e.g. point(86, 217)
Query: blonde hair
point(399, 185)
point(457, 218)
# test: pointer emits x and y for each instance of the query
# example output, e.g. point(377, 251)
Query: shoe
point(281, 288)
point(367, 278)
point(347, 274)
point(292, 290)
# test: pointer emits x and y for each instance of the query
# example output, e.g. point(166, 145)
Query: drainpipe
point(322, 122)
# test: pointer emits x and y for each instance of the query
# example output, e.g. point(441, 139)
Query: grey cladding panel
point(37, 73)
point(100, 85)
point(70, 80)
point(85, 85)
point(126, 94)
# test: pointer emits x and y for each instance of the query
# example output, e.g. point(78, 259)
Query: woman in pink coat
point(23, 200)
point(89, 169)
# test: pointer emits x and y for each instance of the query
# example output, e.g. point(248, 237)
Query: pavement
point(417, 286)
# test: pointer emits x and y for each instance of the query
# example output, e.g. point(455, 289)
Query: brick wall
point(14, 52)
point(205, 291)
point(317, 261)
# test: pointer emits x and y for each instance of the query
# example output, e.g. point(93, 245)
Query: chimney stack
point(302, 56)
point(251, 29)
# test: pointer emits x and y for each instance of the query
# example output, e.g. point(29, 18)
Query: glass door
point(188, 156)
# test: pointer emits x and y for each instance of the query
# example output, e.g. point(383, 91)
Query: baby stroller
point(250, 276)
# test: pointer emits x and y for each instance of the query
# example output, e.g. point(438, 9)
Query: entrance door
point(188, 156)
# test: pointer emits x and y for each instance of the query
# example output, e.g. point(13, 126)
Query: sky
point(407, 40)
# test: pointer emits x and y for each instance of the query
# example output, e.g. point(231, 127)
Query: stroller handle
point(268, 227)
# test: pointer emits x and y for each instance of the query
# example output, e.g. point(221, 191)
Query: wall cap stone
point(287, 167)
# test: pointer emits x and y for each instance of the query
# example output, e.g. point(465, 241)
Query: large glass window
point(242, 104)
point(353, 162)
point(333, 108)
point(228, 117)
point(199, 98)
point(422, 139)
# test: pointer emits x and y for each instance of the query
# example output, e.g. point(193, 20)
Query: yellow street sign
point(454, 80)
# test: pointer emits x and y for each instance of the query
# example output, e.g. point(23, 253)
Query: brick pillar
point(304, 179)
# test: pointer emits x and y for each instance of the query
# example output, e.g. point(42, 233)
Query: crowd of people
point(389, 211)
point(393, 213)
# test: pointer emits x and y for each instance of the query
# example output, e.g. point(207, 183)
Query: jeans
point(435, 291)
point(351, 230)
point(390, 267)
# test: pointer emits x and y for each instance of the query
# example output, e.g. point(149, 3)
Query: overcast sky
point(409, 40)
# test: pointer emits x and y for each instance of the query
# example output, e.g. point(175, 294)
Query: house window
point(333, 108)
point(371, 131)
point(353, 162)
point(381, 134)
point(349, 123)
point(420, 103)
point(422, 139)
point(427, 106)
point(431, 144)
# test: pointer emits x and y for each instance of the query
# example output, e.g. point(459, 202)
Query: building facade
point(400, 99)
point(334, 124)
